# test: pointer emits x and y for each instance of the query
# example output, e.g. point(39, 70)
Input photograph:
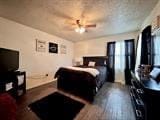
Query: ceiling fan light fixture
point(80, 30)
point(77, 30)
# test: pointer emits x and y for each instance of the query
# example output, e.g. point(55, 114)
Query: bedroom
point(26, 25)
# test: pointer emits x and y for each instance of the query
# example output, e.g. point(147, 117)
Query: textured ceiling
point(53, 16)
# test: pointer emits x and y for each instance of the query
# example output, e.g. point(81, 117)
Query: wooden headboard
point(100, 60)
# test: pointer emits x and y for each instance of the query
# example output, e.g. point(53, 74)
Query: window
point(120, 62)
point(156, 50)
point(138, 54)
point(120, 56)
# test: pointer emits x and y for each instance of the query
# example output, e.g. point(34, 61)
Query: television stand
point(13, 83)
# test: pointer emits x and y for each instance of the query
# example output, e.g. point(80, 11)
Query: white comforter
point(92, 71)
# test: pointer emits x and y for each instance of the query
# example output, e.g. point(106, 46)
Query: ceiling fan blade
point(69, 23)
point(69, 28)
point(93, 25)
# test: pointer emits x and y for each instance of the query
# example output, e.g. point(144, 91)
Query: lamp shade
point(78, 61)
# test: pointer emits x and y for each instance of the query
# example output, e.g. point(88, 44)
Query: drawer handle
point(132, 87)
point(139, 102)
point(131, 94)
point(138, 113)
point(140, 91)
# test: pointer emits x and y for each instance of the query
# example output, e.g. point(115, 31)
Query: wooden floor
point(111, 103)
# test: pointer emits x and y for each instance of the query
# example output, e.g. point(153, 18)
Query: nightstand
point(20, 83)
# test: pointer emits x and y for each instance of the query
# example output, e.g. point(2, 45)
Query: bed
point(83, 83)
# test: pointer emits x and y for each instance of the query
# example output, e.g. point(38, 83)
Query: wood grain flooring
point(112, 102)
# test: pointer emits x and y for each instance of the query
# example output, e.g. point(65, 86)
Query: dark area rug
point(56, 107)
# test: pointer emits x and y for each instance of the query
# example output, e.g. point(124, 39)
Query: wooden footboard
point(79, 87)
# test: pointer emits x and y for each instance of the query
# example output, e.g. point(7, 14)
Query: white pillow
point(155, 72)
point(91, 63)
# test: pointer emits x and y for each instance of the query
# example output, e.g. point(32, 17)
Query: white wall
point(155, 12)
point(97, 47)
point(36, 64)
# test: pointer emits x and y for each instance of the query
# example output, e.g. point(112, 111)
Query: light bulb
point(77, 30)
point(81, 30)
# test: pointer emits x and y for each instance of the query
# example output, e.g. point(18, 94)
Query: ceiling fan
point(80, 26)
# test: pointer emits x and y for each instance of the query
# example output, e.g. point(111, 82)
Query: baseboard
point(42, 83)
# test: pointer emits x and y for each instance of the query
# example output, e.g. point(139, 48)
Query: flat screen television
point(9, 60)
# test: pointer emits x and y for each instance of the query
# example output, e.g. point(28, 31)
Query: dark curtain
point(146, 50)
point(129, 59)
point(111, 54)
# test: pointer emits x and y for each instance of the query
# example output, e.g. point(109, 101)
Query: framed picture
point(53, 47)
point(63, 49)
point(40, 45)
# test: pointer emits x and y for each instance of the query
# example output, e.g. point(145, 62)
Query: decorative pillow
point(91, 63)
point(155, 73)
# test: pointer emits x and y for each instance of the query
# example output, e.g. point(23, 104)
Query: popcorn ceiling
point(111, 16)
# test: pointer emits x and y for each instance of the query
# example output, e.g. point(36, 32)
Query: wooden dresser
point(145, 95)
